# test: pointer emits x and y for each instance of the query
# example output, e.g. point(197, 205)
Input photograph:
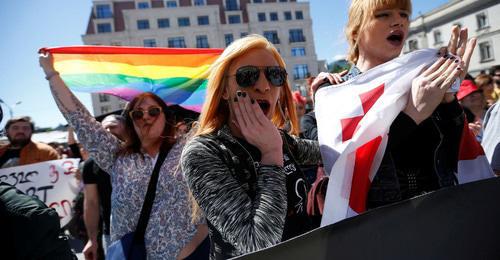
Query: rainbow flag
point(178, 76)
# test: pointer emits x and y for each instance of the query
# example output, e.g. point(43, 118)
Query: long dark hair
point(133, 143)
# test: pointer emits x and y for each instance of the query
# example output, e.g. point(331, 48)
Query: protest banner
point(52, 182)
point(460, 222)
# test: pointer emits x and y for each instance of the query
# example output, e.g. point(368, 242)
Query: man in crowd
point(21, 149)
point(97, 196)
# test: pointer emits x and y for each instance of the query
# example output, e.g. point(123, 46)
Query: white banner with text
point(52, 182)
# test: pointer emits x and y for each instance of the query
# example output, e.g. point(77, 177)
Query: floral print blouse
point(170, 227)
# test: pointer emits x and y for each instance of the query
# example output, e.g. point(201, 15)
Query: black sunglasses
point(247, 76)
point(139, 113)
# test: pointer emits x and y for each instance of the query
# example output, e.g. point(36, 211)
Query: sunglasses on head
point(247, 76)
point(139, 113)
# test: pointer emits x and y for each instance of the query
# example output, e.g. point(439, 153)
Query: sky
point(30, 25)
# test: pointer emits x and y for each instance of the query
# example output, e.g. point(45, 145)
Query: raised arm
point(247, 224)
point(430, 88)
point(101, 144)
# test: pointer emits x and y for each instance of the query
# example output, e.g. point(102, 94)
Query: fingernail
point(458, 68)
point(456, 61)
point(445, 56)
point(235, 99)
point(243, 94)
point(252, 101)
point(238, 93)
point(451, 58)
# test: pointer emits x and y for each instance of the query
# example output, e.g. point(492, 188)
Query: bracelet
point(51, 74)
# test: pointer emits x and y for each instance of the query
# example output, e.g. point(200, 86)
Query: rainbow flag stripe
point(178, 76)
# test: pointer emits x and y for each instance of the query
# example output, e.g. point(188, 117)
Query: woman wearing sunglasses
point(170, 233)
point(422, 150)
point(242, 170)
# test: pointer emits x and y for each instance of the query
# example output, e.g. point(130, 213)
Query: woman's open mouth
point(264, 105)
point(396, 38)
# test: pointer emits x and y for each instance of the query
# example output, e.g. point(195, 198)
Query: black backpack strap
point(147, 206)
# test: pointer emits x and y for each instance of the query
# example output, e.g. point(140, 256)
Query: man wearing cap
point(21, 150)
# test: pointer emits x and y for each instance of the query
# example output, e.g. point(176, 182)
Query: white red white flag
point(353, 121)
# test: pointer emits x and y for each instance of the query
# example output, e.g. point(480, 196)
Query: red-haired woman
point(170, 233)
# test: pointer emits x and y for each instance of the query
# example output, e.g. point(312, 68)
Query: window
point(272, 36)
point(105, 109)
point(482, 21)
point(485, 51)
point(299, 15)
point(296, 35)
point(257, 1)
point(183, 21)
point(103, 28)
point(283, 1)
point(413, 45)
point(262, 17)
point(233, 19)
point(299, 51)
point(202, 41)
point(300, 71)
point(142, 5)
point(103, 98)
point(171, 4)
point(273, 16)
point(163, 23)
point(228, 37)
point(142, 24)
point(203, 20)
point(243, 34)
point(103, 11)
point(149, 43)
point(437, 37)
point(199, 2)
point(176, 42)
point(288, 16)
point(231, 5)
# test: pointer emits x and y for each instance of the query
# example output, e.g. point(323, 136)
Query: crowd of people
point(248, 173)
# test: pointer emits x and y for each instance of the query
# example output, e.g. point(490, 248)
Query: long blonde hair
point(360, 13)
point(215, 111)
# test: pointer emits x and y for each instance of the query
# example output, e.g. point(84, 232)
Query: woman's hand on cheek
point(257, 129)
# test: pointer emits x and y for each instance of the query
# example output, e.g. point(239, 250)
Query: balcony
point(232, 7)
point(299, 38)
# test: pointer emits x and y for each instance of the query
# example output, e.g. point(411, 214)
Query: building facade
point(203, 24)
point(433, 30)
